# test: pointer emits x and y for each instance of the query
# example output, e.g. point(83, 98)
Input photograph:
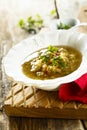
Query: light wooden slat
point(44, 124)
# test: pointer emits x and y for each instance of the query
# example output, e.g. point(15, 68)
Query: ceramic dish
point(63, 24)
point(19, 53)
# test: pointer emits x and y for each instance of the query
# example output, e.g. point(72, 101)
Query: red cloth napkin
point(74, 91)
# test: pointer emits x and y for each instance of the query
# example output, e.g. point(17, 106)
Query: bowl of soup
point(48, 59)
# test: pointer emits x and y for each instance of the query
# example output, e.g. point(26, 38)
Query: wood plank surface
point(21, 123)
point(44, 124)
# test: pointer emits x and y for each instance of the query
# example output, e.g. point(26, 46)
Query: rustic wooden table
point(21, 123)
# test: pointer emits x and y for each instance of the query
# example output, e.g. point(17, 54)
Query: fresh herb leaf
point(45, 58)
point(53, 12)
point(52, 48)
point(30, 21)
point(32, 24)
point(21, 23)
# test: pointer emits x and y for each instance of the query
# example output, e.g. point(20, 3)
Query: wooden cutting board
point(27, 102)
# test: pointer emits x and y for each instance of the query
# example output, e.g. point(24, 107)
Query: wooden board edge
point(46, 112)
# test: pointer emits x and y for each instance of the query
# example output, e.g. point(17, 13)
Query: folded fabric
point(74, 91)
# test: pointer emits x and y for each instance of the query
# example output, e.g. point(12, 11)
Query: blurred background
point(11, 11)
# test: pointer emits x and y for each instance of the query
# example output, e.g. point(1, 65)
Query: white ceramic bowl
point(72, 22)
point(20, 52)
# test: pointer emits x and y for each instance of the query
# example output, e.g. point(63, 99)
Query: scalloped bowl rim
point(37, 40)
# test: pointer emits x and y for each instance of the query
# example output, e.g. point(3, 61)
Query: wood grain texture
point(24, 101)
point(44, 124)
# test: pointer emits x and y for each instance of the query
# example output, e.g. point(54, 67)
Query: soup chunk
point(52, 62)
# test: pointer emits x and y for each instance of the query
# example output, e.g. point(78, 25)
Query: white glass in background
point(70, 8)
point(74, 24)
point(55, 23)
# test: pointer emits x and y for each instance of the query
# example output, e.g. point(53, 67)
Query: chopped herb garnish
point(45, 58)
point(52, 48)
point(58, 60)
